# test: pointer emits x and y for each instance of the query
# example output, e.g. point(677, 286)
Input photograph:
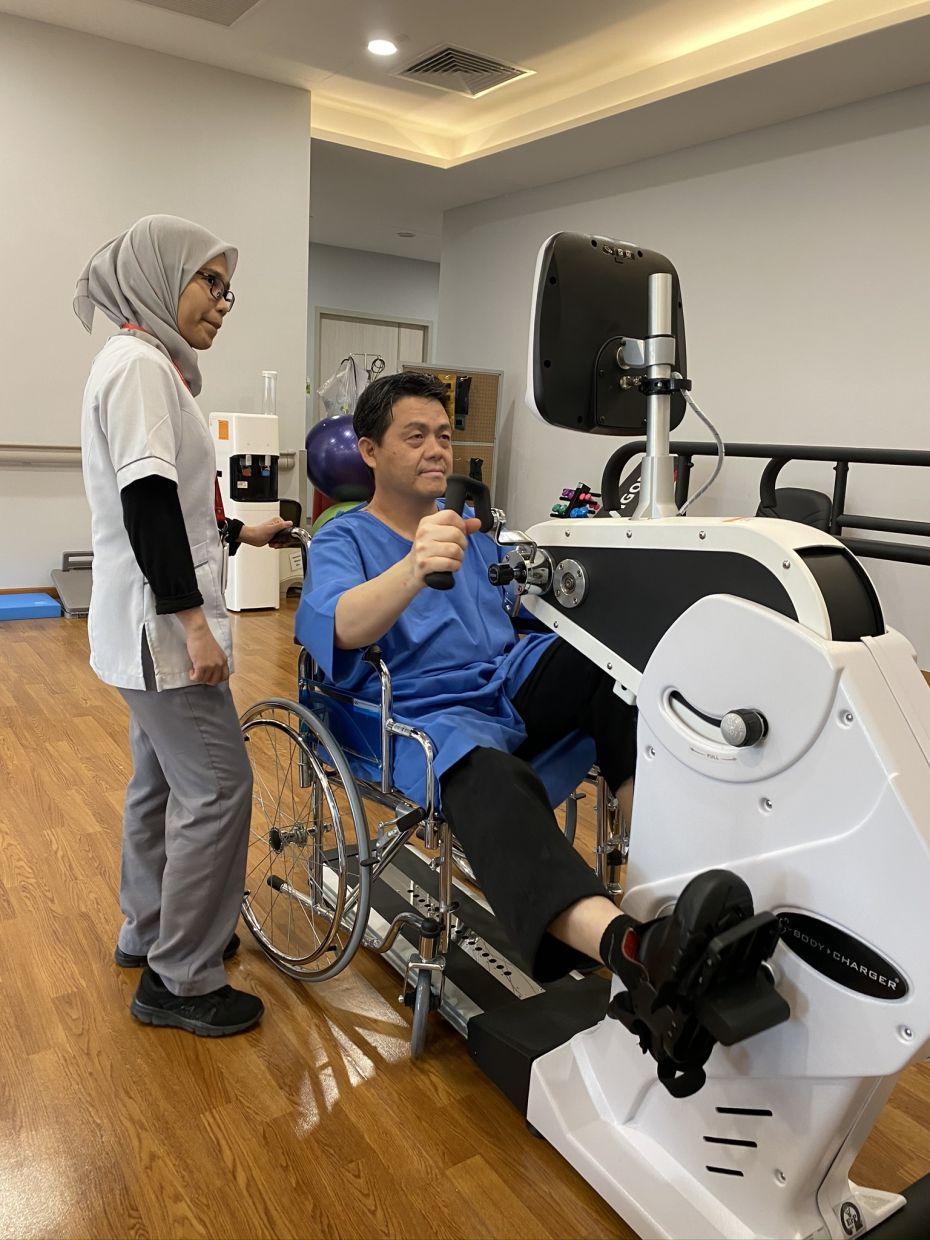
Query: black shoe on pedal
point(695, 977)
point(217, 1014)
point(126, 960)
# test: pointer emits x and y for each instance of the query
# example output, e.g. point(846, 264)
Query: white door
point(366, 340)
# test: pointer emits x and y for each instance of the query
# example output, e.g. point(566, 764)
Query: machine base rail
point(509, 1019)
point(912, 1221)
point(505, 1042)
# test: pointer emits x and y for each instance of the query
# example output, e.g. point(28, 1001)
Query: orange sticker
point(222, 429)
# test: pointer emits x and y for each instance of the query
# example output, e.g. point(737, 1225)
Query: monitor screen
point(590, 293)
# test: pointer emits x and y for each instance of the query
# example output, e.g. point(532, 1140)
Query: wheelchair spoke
point(261, 800)
point(274, 748)
point(298, 847)
point(282, 785)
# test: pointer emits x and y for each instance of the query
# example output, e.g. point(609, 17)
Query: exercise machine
point(785, 738)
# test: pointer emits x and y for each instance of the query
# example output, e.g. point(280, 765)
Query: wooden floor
point(315, 1124)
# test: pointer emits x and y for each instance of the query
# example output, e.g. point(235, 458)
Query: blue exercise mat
point(28, 607)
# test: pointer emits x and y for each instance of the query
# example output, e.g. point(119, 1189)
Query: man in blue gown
point(490, 704)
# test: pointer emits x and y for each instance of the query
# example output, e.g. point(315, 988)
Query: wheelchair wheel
point(422, 1006)
point(307, 897)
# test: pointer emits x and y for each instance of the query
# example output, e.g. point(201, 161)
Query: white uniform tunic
point(138, 419)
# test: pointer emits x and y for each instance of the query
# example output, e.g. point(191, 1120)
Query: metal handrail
point(778, 456)
point(56, 456)
point(39, 455)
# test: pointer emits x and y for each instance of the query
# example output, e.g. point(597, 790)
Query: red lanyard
point(218, 503)
point(217, 497)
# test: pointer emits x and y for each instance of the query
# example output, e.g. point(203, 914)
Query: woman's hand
point(209, 665)
point(262, 535)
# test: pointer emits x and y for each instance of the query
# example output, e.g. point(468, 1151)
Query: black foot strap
point(700, 979)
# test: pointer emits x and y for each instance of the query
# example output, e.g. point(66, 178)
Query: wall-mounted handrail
point(56, 456)
point(38, 455)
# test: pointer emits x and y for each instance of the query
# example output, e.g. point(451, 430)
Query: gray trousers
point(185, 833)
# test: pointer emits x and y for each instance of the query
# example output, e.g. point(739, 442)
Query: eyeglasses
point(219, 289)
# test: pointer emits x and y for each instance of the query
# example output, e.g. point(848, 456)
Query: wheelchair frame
point(324, 764)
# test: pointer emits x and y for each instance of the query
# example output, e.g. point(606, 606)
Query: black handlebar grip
point(458, 490)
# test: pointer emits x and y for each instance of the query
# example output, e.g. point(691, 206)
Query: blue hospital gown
point(454, 658)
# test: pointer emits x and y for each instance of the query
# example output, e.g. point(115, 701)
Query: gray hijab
point(139, 276)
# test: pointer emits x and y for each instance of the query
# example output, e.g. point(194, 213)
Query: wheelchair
point(327, 825)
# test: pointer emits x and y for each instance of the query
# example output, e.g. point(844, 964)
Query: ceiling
point(610, 82)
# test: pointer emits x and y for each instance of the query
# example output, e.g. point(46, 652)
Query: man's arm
point(366, 612)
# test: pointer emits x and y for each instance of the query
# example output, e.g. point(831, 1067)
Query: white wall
point(378, 285)
point(94, 134)
point(804, 261)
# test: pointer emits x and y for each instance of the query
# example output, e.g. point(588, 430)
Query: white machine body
point(773, 544)
point(247, 466)
point(827, 819)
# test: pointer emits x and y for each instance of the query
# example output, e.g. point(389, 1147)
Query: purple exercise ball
point(334, 463)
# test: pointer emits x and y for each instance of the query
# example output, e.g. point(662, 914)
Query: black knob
point(743, 728)
point(503, 574)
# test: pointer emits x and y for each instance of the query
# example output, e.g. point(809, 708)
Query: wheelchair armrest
point(298, 534)
point(374, 657)
point(308, 671)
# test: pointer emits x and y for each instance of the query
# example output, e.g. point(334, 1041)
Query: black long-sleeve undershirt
point(158, 537)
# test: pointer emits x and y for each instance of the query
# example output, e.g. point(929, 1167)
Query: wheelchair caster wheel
point(422, 1006)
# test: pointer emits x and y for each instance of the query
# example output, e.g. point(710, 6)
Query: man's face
point(415, 454)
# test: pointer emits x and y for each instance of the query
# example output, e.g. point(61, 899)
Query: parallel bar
point(873, 549)
point(779, 455)
point(887, 525)
point(614, 468)
point(841, 469)
point(796, 452)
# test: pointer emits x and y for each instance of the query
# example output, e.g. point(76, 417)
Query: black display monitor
point(591, 292)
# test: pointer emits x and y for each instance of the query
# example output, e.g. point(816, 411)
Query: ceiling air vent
point(463, 73)
point(220, 12)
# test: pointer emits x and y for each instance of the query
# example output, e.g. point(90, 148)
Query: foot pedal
point(703, 980)
point(738, 997)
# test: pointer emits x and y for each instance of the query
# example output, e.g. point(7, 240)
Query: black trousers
point(498, 808)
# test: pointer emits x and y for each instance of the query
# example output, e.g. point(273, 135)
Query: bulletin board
point(474, 407)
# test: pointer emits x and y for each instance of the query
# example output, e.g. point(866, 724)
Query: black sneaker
point(214, 1015)
point(126, 960)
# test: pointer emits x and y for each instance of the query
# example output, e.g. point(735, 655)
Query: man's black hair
point(372, 414)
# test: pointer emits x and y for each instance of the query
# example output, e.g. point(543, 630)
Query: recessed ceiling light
point(404, 233)
point(382, 47)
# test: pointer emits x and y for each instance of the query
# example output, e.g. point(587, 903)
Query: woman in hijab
point(158, 626)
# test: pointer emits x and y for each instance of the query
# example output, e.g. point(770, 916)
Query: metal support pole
point(657, 476)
